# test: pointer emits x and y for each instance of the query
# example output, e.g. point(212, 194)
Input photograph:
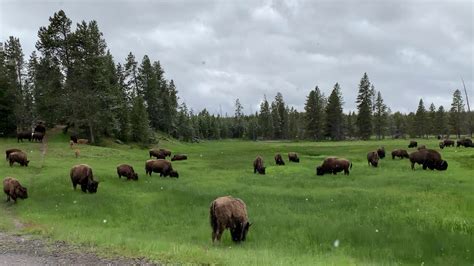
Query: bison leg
point(254, 170)
point(8, 197)
point(346, 171)
point(84, 188)
point(219, 233)
point(412, 166)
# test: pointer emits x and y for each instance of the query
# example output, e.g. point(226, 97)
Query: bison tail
point(212, 216)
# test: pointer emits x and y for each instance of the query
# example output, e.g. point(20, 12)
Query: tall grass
point(384, 215)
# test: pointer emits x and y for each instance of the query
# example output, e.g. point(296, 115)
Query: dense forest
point(72, 79)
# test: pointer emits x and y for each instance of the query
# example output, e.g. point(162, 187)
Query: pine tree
point(239, 125)
point(265, 120)
point(420, 120)
point(380, 116)
point(314, 116)
point(7, 99)
point(279, 117)
point(140, 124)
point(123, 130)
point(457, 114)
point(400, 126)
point(441, 124)
point(432, 120)
point(131, 76)
point(364, 107)
point(350, 125)
point(334, 115)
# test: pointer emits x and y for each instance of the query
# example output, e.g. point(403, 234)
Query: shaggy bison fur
point(40, 128)
point(429, 159)
point(74, 138)
point(13, 189)
point(293, 157)
point(24, 135)
point(422, 147)
point(413, 144)
point(157, 153)
point(166, 152)
point(229, 213)
point(373, 158)
point(399, 153)
point(127, 171)
point(381, 152)
point(446, 143)
point(465, 142)
point(179, 157)
point(7, 152)
point(18, 157)
point(160, 166)
point(333, 165)
point(38, 136)
point(258, 166)
point(81, 174)
point(279, 159)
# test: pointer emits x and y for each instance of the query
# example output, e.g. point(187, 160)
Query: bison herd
point(225, 212)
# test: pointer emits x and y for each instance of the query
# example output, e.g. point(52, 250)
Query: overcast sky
point(217, 51)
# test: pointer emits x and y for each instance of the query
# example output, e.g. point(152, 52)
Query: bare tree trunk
point(468, 108)
point(91, 132)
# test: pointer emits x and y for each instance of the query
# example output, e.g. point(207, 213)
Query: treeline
point(72, 79)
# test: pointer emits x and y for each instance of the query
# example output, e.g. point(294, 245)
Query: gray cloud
point(217, 51)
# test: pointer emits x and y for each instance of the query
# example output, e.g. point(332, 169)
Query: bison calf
point(279, 159)
point(127, 171)
point(381, 152)
point(373, 158)
point(179, 157)
point(18, 157)
point(293, 157)
point(160, 166)
point(333, 165)
point(429, 159)
point(81, 174)
point(258, 166)
point(13, 189)
point(399, 153)
point(229, 213)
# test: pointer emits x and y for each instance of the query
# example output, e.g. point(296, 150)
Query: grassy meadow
point(384, 215)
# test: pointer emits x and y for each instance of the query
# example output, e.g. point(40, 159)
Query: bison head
point(441, 145)
point(174, 174)
point(92, 186)
point(261, 170)
point(239, 231)
point(443, 165)
point(26, 163)
point(21, 192)
point(319, 170)
point(135, 176)
point(297, 160)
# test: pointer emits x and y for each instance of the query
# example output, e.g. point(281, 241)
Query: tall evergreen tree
point(364, 107)
point(265, 119)
point(7, 98)
point(279, 117)
point(380, 116)
point(239, 123)
point(334, 115)
point(131, 75)
point(314, 116)
point(457, 114)
point(442, 122)
point(140, 124)
point(431, 120)
point(420, 120)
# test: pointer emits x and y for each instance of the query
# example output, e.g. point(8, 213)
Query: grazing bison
point(381, 152)
point(429, 159)
point(74, 138)
point(229, 213)
point(40, 128)
point(293, 157)
point(422, 147)
point(333, 165)
point(82, 174)
point(7, 152)
point(38, 136)
point(13, 189)
point(413, 144)
point(157, 153)
point(127, 171)
point(279, 159)
point(160, 166)
point(24, 135)
point(464, 142)
point(373, 158)
point(446, 143)
point(258, 166)
point(399, 153)
point(179, 157)
point(82, 141)
point(18, 157)
point(166, 152)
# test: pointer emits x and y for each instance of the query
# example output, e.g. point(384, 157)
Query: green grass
point(385, 215)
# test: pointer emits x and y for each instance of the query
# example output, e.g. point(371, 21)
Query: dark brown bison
point(446, 143)
point(18, 157)
point(160, 166)
point(429, 159)
point(7, 152)
point(413, 144)
point(179, 157)
point(82, 174)
point(40, 128)
point(24, 135)
point(293, 157)
point(166, 152)
point(399, 153)
point(464, 142)
point(258, 166)
point(333, 165)
point(127, 171)
point(74, 138)
point(229, 213)
point(157, 153)
point(38, 136)
point(279, 159)
point(373, 158)
point(422, 147)
point(14, 189)
point(381, 152)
